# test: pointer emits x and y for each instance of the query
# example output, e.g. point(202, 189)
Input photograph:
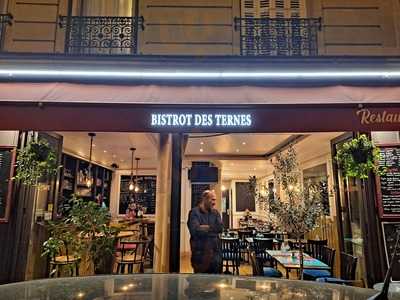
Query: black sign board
point(390, 231)
point(389, 183)
point(145, 196)
point(7, 156)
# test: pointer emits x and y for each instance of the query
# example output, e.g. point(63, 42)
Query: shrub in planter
point(358, 157)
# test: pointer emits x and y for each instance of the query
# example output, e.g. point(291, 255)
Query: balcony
point(101, 35)
point(278, 37)
point(5, 19)
point(111, 35)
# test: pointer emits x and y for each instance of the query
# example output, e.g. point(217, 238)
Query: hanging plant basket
point(37, 161)
point(358, 157)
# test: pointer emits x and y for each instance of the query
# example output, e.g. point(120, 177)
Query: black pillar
point(175, 221)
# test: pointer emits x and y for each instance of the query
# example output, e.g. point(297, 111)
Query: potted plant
point(36, 161)
point(62, 240)
point(298, 209)
point(98, 239)
point(358, 157)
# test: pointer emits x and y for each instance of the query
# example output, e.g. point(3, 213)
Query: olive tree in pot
point(298, 208)
point(98, 239)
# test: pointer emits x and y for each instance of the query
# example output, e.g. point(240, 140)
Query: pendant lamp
point(89, 180)
point(137, 168)
point(131, 182)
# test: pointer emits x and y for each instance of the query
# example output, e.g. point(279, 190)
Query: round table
point(177, 286)
point(394, 289)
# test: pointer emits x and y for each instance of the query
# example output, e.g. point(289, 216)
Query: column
point(163, 205)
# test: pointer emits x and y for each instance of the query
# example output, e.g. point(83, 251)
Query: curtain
point(122, 8)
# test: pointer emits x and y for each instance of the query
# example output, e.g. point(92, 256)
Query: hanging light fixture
point(89, 180)
point(131, 182)
point(137, 168)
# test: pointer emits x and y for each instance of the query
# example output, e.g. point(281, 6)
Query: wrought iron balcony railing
point(278, 37)
point(5, 19)
point(101, 35)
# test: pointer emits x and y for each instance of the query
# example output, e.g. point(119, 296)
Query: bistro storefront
point(209, 96)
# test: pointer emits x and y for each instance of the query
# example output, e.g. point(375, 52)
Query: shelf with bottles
point(75, 175)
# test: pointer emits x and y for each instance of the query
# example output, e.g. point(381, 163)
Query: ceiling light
point(201, 143)
point(201, 149)
point(237, 150)
point(243, 143)
point(223, 188)
point(105, 151)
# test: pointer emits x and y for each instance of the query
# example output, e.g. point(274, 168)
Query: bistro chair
point(348, 271)
point(230, 255)
point(136, 235)
point(327, 257)
point(260, 247)
point(64, 261)
point(259, 269)
point(243, 244)
point(314, 248)
point(132, 254)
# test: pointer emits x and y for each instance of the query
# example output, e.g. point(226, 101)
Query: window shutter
point(273, 8)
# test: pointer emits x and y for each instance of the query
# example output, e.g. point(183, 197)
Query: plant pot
point(104, 265)
point(360, 156)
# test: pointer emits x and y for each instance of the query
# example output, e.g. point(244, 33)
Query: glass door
point(350, 213)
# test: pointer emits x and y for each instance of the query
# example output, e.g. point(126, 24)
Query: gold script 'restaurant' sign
point(201, 120)
point(368, 117)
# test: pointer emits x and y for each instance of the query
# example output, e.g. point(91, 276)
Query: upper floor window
point(273, 9)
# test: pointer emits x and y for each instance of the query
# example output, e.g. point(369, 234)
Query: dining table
point(290, 260)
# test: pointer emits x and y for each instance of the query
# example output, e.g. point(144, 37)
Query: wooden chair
point(260, 247)
point(348, 266)
point(327, 257)
point(348, 272)
point(243, 244)
point(259, 269)
point(314, 248)
point(132, 253)
point(64, 261)
point(230, 255)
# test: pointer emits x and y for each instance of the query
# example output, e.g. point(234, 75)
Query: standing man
point(205, 224)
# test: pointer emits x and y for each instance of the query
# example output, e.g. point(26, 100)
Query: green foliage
point(62, 238)
point(299, 209)
point(36, 161)
point(358, 157)
point(84, 230)
point(91, 221)
point(52, 247)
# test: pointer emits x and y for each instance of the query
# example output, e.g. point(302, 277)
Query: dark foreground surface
point(174, 286)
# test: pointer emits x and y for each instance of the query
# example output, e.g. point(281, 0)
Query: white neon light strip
point(190, 75)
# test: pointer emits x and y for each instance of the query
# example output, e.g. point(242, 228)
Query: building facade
point(139, 34)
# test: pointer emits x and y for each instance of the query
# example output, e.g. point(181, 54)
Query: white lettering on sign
point(201, 120)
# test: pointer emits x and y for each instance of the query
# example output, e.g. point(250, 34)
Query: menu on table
point(6, 164)
point(389, 183)
point(390, 231)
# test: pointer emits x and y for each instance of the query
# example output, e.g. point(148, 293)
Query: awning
point(224, 95)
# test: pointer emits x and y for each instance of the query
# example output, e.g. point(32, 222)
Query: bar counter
point(177, 286)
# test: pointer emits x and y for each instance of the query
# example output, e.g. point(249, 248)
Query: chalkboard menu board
point(389, 183)
point(146, 196)
point(390, 230)
point(7, 160)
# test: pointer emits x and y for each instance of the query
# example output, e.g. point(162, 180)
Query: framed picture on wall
point(244, 200)
point(7, 163)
